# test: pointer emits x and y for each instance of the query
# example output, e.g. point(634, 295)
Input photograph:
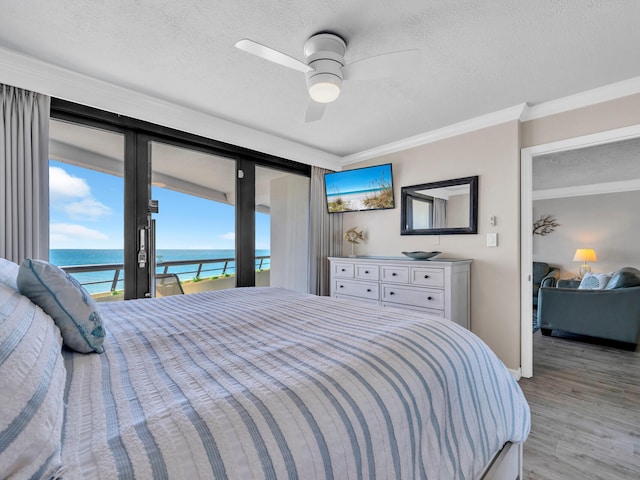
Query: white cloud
point(73, 196)
point(68, 235)
point(86, 209)
point(63, 186)
point(229, 236)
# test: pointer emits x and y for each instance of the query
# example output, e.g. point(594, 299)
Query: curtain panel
point(325, 234)
point(24, 174)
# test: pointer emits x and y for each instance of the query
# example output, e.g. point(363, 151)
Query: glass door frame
point(137, 178)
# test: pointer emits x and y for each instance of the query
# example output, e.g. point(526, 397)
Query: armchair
point(543, 276)
point(612, 313)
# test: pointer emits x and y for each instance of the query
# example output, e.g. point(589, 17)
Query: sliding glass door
point(195, 220)
point(178, 207)
point(86, 198)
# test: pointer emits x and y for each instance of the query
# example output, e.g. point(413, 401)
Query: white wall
point(494, 155)
point(608, 223)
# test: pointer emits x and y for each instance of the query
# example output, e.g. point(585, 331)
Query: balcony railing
point(217, 267)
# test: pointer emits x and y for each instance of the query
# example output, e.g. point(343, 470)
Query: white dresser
point(439, 287)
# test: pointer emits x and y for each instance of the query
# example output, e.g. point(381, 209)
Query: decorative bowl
point(418, 255)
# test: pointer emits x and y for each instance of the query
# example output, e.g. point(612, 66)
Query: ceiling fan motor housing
point(325, 54)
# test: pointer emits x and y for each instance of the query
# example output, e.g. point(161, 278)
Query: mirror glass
point(440, 208)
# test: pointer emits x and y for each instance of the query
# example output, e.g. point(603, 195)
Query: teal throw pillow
point(66, 301)
point(624, 278)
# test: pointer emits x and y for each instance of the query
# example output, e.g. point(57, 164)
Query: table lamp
point(585, 255)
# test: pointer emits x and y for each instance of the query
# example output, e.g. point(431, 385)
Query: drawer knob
point(393, 274)
point(366, 271)
point(341, 286)
point(368, 289)
point(342, 270)
point(426, 276)
point(429, 298)
point(392, 293)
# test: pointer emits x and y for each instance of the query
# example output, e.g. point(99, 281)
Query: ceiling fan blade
point(386, 65)
point(272, 55)
point(315, 111)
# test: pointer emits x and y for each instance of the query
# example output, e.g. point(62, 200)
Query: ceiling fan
point(325, 68)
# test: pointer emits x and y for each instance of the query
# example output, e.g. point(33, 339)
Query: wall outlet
point(492, 239)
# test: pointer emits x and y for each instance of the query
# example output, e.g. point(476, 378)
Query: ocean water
point(101, 281)
point(376, 191)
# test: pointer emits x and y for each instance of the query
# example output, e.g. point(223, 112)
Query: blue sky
point(356, 180)
point(87, 211)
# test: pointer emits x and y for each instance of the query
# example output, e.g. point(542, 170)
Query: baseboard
point(517, 374)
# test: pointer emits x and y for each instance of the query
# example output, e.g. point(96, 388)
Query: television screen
point(368, 188)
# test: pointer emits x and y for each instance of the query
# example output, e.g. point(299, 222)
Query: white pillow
point(9, 273)
point(594, 281)
point(69, 304)
point(32, 381)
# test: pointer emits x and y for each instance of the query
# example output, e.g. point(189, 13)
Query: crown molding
point(593, 189)
point(30, 73)
point(583, 99)
point(484, 121)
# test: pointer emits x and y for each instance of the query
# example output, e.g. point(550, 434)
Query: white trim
point(27, 72)
point(526, 218)
point(593, 189)
point(583, 99)
point(526, 267)
point(515, 373)
point(495, 118)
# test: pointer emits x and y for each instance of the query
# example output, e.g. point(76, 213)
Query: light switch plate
point(492, 239)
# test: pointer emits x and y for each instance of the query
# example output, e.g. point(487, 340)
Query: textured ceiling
point(611, 162)
point(477, 57)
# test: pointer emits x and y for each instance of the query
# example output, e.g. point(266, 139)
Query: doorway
point(527, 158)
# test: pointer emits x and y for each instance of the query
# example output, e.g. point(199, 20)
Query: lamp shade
point(585, 255)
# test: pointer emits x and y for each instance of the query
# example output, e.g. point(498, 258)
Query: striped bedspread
point(268, 383)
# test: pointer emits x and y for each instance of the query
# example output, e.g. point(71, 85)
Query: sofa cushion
point(624, 278)
point(540, 270)
point(594, 281)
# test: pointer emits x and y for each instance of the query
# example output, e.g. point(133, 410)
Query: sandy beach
point(353, 201)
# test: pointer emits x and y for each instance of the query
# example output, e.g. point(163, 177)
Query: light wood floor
point(585, 411)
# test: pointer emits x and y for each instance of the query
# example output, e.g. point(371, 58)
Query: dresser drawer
point(343, 270)
point(394, 274)
point(367, 272)
point(418, 297)
point(357, 289)
point(428, 277)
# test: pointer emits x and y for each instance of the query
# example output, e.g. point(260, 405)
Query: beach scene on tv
point(369, 188)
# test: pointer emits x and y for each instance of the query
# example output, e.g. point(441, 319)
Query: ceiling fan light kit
point(324, 88)
point(325, 54)
point(325, 67)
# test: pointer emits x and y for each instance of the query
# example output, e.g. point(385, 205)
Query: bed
point(269, 383)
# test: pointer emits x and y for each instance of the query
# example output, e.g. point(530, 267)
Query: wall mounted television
point(367, 188)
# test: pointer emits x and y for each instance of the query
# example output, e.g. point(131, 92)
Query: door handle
point(142, 253)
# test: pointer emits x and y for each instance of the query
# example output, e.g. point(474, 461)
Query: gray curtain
point(24, 174)
point(325, 234)
point(439, 213)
